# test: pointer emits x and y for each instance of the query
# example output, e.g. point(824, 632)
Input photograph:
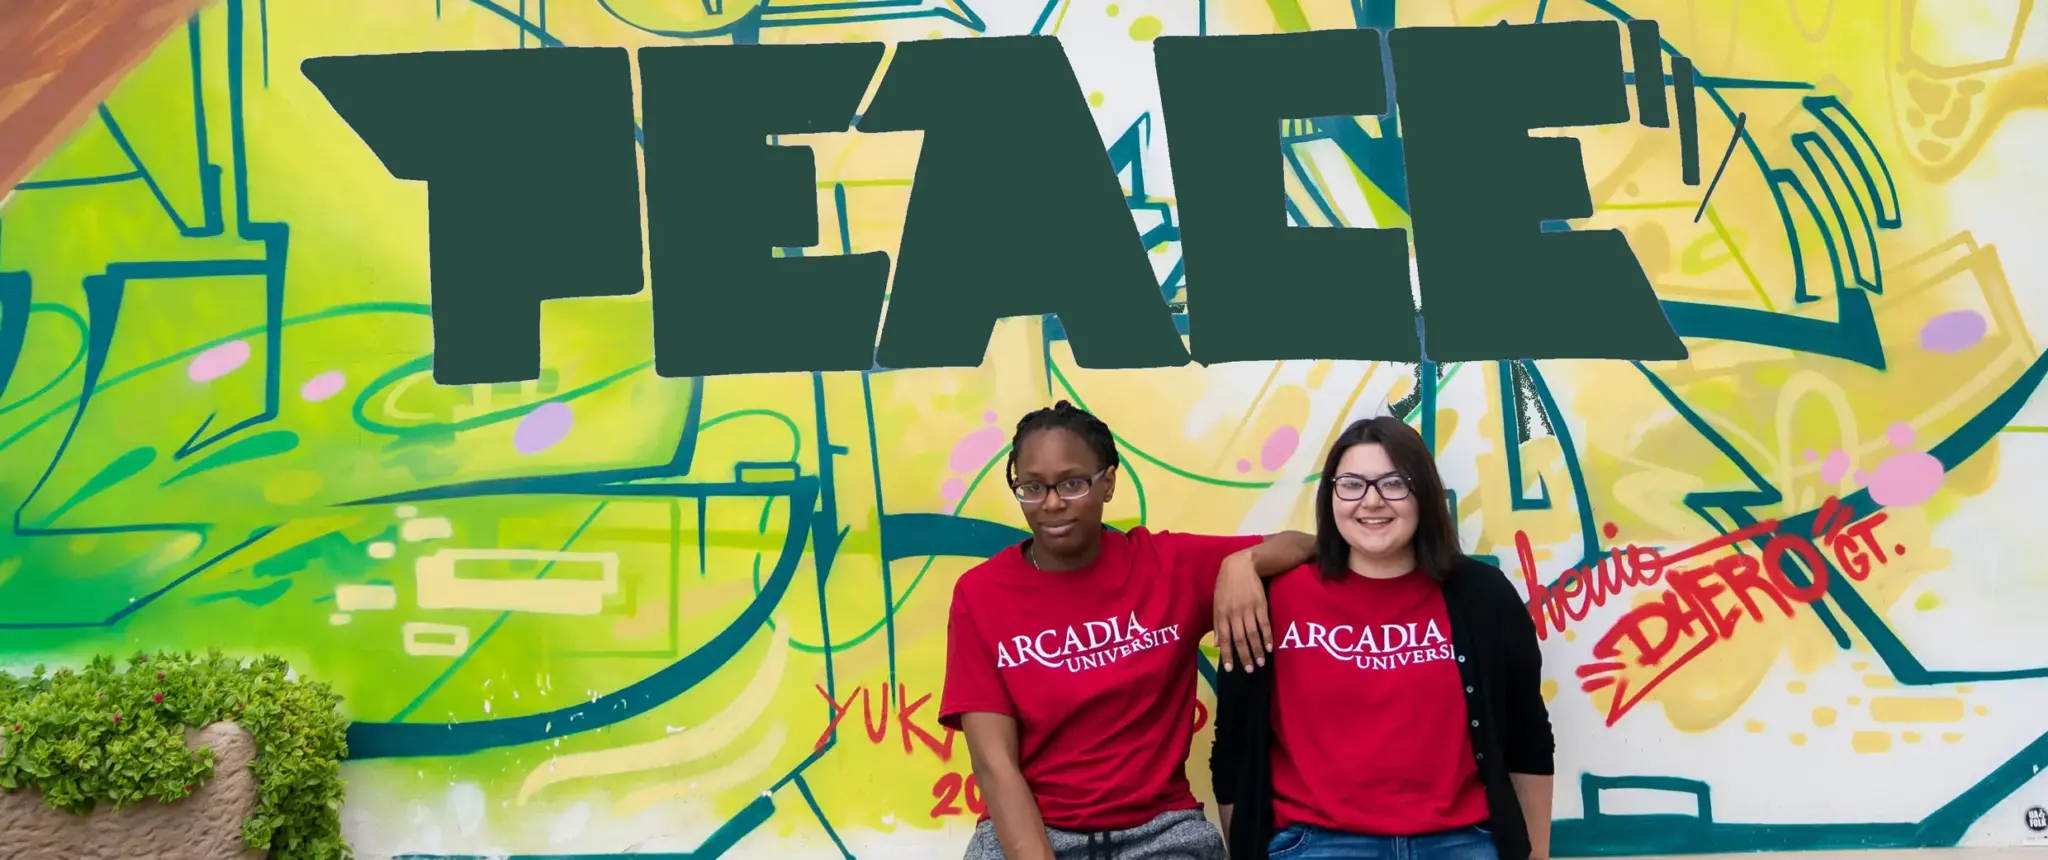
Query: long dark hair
point(1436, 535)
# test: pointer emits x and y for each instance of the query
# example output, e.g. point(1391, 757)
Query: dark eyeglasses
point(1033, 492)
point(1351, 488)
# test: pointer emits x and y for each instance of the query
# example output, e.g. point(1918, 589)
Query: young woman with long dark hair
point(1070, 659)
point(1401, 714)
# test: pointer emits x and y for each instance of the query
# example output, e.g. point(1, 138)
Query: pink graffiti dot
point(1278, 448)
point(953, 489)
point(975, 449)
point(323, 386)
point(1244, 465)
point(1862, 478)
point(1904, 480)
point(1954, 331)
point(218, 361)
point(1834, 467)
point(1900, 435)
point(542, 428)
point(988, 417)
point(1810, 455)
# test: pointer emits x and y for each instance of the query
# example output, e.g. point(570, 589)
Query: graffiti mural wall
point(605, 613)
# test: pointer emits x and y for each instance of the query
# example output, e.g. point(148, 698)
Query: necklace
point(1031, 556)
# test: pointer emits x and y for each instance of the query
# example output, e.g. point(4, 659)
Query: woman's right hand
point(1244, 630)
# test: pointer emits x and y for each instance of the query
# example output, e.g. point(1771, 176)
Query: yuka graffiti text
point(906, 720)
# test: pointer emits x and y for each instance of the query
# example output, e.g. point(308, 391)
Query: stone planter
point(205, 826)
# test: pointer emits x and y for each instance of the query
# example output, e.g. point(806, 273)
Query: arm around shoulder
point(1244, 631)
point(1281, 552)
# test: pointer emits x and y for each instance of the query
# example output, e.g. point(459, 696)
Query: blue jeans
point(1302, 842)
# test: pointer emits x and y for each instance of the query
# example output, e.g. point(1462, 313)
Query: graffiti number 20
point(952, 788)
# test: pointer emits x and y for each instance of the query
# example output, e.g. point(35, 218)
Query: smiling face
point(1064, 531)
point(1378, 530)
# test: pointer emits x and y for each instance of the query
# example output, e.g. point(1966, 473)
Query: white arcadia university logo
point(1367, 646)
point(1090, 645)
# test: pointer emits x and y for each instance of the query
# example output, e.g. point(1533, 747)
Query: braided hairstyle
point(1064, 416)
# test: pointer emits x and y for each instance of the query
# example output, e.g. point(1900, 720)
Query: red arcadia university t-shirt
point(1369, 722)
point(1097, 665)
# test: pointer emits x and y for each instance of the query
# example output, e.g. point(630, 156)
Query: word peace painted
point(1015, 210)
point(1703, 604)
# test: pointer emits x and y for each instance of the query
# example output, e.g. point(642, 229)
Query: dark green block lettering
point(720, 199)
point(1257, 288)
point(1493, 286)
point(532, 189)
point(1014, 211)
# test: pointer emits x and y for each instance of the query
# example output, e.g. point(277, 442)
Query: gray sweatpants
point(1173, 836)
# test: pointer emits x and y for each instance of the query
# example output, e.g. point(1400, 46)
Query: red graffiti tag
point(1588, 586)
point(906, 722)
point(1704, 604)
point(953, 787)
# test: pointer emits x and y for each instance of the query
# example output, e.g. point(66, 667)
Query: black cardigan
point(1495, 640)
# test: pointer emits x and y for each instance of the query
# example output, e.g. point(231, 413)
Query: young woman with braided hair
point(1070, 659)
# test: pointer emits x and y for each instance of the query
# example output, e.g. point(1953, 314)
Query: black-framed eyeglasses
point(1033, 492)
point(1351, 488)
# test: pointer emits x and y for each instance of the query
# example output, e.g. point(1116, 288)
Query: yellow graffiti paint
point(604, 611)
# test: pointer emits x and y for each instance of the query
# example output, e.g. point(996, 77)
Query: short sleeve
point(973, 682)
point(1193, 560)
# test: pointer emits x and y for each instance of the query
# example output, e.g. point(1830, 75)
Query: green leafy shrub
point(107, 734)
